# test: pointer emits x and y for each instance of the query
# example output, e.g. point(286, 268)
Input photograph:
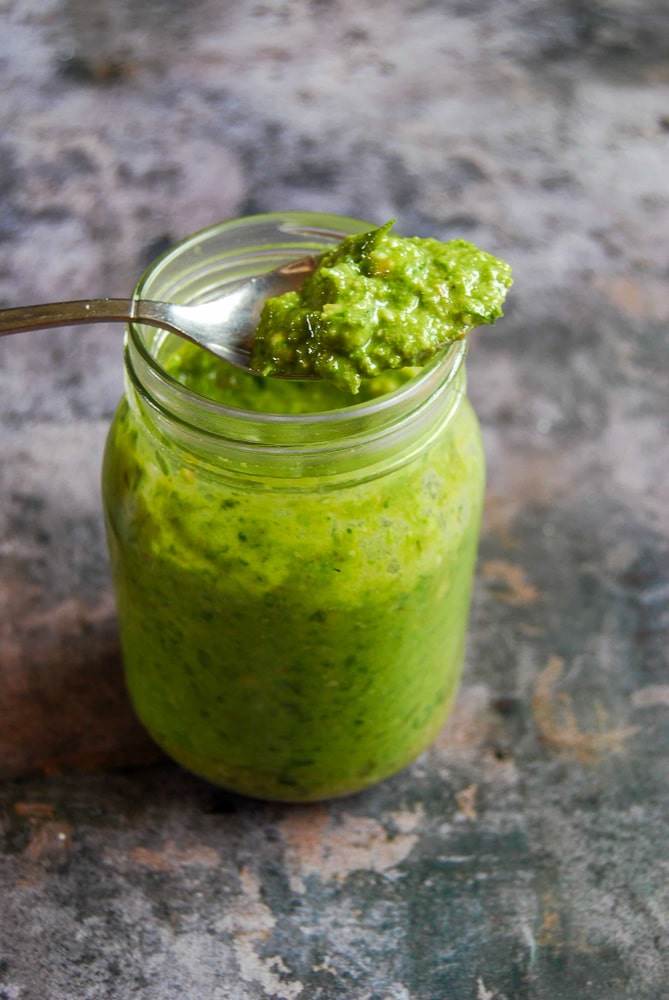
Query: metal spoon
point(225, 326)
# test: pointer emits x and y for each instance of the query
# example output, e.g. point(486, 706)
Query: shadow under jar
point(292, 565)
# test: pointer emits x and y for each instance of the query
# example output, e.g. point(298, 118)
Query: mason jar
point(292, 565)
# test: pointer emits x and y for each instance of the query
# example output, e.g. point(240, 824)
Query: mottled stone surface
point(525, 855)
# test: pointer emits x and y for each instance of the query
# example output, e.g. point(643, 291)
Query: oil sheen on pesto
point(378, 301)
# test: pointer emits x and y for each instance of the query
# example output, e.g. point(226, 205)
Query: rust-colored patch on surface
point(498, 520)
point(557, 724)
point(335, 847)
point(170, 857)
point(61, 686)
point(644, 298)
point(508, 582)
point(465, 800)
point(550, 932)
point(34, 811)
point(50, 843)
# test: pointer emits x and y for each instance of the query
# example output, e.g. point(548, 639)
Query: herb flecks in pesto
point(378, 301)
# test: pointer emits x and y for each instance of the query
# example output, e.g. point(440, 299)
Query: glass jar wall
point(292, 566)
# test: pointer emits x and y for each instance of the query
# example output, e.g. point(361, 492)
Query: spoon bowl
point(224, 326)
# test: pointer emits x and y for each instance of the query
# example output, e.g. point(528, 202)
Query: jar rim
point(303, 231)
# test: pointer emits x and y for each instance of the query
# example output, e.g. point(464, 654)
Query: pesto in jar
point(292, 627)
point(291, 642)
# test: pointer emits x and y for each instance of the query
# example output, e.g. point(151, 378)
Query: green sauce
point(378, 302)
point(295, 638)
point(194, 368)
point(293, 645)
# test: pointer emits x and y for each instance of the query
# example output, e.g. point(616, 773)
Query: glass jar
point(292, 587)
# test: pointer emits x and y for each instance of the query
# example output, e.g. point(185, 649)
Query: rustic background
point(525, 855)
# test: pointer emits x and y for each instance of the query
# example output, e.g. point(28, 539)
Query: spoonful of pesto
point(379, 301)
point(375, 302)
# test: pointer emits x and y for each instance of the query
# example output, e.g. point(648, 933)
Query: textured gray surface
point(525, 855)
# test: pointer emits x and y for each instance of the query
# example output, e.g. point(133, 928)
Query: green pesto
point(378, 301)
point(281, 640)
point(194, 368)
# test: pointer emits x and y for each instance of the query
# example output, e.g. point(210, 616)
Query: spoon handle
point(65, 313)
